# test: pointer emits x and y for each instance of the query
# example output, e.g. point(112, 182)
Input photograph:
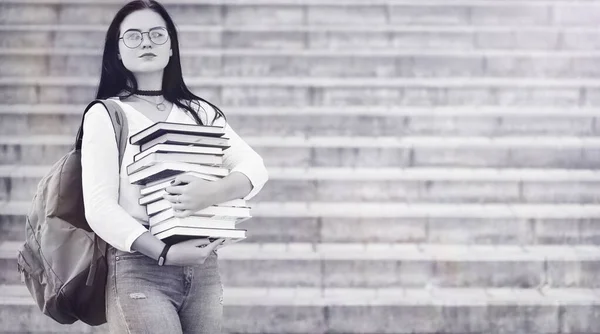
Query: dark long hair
point(114, 76)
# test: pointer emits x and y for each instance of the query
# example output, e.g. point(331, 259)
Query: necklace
point(149, 92)
point(160, 106)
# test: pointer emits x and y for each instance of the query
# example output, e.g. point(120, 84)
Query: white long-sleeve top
point(110, 200)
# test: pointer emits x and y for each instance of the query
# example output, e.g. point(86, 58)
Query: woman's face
point(132, 45)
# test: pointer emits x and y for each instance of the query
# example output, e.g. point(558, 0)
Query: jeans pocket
point(121, 255)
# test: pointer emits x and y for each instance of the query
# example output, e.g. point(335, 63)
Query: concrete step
point(19, 183)
point(476, 13)
point(513, 231)
point(293, 92)
point(49, 119)
point(363, 152)
point(339, 265)
point(488, 111)
point(368, 311)
point(539, 228)
point(297, 36)
point(325, 53)
point(522, 82)
point(322, 63)
point(527, 114)
point(429, 184)
point(514, 224)
point(393, 210)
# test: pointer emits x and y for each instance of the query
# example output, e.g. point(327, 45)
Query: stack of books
point(170, 149)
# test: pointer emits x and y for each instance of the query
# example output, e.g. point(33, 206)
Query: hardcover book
point(164, 170)
point(159, 128)
point(158, 195)
point(181, 139)
point(154, 158)
point(163, 204)
point(179, 234)
point(169, 214)
point(192, 221)
point(167, 148)
point(160, 184)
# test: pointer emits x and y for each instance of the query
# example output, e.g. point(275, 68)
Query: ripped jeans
point(142, 297)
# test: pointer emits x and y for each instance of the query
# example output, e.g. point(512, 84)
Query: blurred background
point(432, 163)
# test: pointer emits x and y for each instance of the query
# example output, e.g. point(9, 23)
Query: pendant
point(161, 106)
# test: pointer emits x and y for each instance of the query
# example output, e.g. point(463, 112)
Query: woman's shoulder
point(100, 106)
point(98, 112)
point(96, 122)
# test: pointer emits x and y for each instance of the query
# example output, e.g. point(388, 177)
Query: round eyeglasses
point(133, 38)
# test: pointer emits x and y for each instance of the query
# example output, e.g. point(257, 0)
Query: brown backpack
point(63, 262)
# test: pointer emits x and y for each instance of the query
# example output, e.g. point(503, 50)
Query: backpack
point(63, 262)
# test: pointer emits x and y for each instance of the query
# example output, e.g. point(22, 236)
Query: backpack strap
point(119, 122)
point(99, 246)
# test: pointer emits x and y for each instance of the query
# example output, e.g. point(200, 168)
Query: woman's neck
point(149, 80)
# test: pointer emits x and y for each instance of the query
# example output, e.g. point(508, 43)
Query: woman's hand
point(191, 252)
point(190, 194)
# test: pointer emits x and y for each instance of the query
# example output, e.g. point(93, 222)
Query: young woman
point(141, 70)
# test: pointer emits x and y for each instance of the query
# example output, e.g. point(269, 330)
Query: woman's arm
point(148, 245)
point(100, 182)
point(233, 186)
point(248, 172)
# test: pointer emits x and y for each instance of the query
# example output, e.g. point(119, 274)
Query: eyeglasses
point(133, 38)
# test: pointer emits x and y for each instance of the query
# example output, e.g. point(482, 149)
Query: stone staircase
point(432, 163)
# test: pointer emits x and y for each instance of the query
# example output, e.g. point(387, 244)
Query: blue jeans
point(142, 297)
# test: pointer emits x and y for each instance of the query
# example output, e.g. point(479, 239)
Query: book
point(154, 158)
point(167, 148)
point(188, 140)
point(223, 211)
point(192, 221)
point(153, 197)
point(158, 196)
point(208, 214)
point(159, 128)
point(177, 234)
point(160, 184)
point(164, 170)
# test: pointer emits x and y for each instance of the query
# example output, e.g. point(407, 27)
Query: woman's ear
point(170, 52)
point(119, 56)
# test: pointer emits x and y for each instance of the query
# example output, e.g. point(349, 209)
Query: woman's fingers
point(179, 206)
point(194, 242)
point(202, 242)
point(175, 189)
point(182, 214)
point(174, 198)
point(211, 247)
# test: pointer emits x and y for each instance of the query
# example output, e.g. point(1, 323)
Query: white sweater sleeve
point(239, 157)
point(100, 182)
